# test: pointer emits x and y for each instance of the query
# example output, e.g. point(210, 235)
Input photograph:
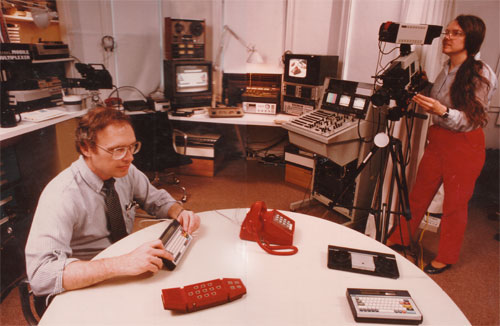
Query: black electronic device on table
point(135, 105)
point(182, 113)
point(383, 306)
point(176, 241)
point(362, 261)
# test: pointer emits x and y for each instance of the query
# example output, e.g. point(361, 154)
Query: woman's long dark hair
point(469, 78)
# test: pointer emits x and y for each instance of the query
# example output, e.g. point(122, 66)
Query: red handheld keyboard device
point(202, 295)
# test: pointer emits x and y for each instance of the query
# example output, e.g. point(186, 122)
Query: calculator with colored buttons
point(202, 295)
point(383, 306)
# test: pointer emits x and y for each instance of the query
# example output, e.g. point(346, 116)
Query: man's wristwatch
point(446, 114)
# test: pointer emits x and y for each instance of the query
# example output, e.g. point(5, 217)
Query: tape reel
point(184, 29)
point(184, 39)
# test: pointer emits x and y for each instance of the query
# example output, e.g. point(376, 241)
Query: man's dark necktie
point(114, 215)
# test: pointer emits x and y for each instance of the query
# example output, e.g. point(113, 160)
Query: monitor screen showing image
point(297, 68)
point(192, 79)
point(345, 100)
point(331, 98)
point(359, 103)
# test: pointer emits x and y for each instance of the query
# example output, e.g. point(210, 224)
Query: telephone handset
point(272, 230)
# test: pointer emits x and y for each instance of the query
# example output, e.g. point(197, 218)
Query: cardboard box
point(299, 169)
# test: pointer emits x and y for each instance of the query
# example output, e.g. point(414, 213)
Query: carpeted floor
point(473, 283)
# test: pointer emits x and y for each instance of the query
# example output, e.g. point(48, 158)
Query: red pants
point(454, 159)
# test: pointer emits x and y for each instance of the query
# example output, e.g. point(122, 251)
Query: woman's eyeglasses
point(119, 152)
point(452, 34)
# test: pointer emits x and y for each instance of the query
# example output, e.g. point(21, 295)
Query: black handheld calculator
point(176, 241)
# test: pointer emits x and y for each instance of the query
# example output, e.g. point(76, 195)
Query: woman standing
point(455, 150)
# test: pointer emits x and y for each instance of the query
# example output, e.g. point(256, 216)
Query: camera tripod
point(380, 210)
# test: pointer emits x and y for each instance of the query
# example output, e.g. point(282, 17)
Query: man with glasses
point(73, 223)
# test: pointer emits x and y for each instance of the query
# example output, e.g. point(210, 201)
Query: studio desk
point(280, 290)
point(263, 120)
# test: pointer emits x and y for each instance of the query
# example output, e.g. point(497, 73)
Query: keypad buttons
point(203, 295)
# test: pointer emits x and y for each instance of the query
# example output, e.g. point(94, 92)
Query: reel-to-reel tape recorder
point(184, 39)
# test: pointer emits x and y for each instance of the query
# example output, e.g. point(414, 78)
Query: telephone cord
point(273, 249)
point(421, 260)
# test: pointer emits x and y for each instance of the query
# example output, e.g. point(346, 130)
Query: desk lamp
point(253, 55)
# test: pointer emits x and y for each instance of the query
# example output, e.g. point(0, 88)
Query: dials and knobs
point(326, 124)
point(178, 28)
point(196, 28)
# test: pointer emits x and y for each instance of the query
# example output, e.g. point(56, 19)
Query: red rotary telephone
point(272, 230)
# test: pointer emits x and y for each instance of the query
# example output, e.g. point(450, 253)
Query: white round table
point(281, 290)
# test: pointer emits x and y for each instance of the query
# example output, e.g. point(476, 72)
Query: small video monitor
point(188, 83)
point(345, 100)
point(309, 69)
point(359, 103)
point(331, 98)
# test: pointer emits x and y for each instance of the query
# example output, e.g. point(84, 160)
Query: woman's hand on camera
point(429, 104)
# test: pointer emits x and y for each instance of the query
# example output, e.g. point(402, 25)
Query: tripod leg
point(404, 201)
point(402, 184)
point(384, 217)
point(379, 209)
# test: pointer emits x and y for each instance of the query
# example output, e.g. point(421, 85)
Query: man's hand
point(189, 220)
point(146, 258)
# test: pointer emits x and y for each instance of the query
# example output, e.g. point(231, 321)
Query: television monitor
point(188, 83)
point(309, 69)
point(347, 97)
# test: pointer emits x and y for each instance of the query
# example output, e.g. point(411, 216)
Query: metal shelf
point(53, 60)
point(25, 18)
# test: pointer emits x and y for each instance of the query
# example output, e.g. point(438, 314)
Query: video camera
point(95, 76)
point(403, 79)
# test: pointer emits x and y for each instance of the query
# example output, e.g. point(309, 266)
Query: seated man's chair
point(159, 150)
point(28, 299)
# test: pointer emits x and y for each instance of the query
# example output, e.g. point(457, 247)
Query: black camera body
point(400, 85)
point(95, 76)
point(403, 79)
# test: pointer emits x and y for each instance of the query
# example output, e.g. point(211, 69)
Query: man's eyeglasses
point(452, 34)
point(120, 152)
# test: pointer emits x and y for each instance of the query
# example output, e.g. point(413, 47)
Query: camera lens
point(380, 97)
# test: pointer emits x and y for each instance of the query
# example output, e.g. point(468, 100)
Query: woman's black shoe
point(429, 269)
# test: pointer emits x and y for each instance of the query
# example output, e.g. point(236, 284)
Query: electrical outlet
point(430, 223)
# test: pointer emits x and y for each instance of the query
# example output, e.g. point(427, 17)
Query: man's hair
point(94, 121)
